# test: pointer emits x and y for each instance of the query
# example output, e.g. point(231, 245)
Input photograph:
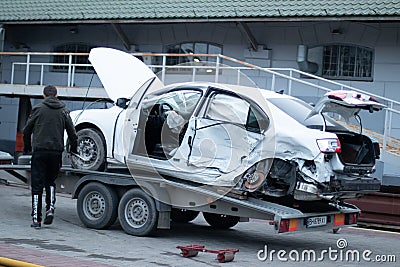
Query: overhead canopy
point(29, 11)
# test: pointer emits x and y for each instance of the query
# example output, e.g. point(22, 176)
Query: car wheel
point(183, 215)
point(137, 213)
point(97, 205)
point(91, 151)
point(220, 221)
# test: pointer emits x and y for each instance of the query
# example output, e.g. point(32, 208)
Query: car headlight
point(329, 145)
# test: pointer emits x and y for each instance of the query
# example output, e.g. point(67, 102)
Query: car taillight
point(377, 150)
point(329, 145)
point(338, 95)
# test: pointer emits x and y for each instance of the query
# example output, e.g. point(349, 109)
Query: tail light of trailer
point(338, 220)
point(288, 225)
point(351, 218)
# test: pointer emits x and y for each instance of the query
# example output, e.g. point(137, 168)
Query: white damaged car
point(250, 141)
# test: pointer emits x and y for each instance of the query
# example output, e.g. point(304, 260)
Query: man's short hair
point(50, 90)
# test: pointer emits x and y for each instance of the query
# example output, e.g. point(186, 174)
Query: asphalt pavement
point(67, 242)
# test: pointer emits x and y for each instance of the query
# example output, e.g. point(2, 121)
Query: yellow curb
point(377, 230)
point(14, 263)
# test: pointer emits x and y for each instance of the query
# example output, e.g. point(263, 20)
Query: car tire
point(220, 221)
point(183, 215)
point(137, 213)
point(97, 205)
point(91, 149)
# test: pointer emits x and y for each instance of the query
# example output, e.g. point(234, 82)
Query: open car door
point(123, 77)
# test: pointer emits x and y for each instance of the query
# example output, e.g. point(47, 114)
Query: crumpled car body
point(245, 139)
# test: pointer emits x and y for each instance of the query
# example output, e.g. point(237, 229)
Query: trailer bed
point(181, 195)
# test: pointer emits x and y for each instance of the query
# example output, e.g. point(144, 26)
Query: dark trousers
point(45, 166)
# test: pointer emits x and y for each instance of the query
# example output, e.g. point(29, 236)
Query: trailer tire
point(92, 150)
point(183, 215)
point(137, 213)
point(220, 221)
point(97, 205)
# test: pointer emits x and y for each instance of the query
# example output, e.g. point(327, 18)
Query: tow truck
point(146, 201)
point(142, 204)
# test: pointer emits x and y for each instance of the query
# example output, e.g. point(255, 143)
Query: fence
point(211, 65)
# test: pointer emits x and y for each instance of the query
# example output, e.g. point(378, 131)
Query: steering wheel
point(163, 108)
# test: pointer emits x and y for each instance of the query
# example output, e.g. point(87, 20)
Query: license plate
point(316, 221)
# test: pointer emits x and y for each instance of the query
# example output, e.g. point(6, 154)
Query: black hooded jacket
point(47, 123)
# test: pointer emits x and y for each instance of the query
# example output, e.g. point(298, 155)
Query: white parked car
point(5, 158)
point(249, 140)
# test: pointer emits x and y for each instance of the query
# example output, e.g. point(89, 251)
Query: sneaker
point(36, 225)
point(49, 216)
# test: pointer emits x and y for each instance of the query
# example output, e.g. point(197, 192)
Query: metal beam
point(248, 34)
point(121, 34)
point(2, 34)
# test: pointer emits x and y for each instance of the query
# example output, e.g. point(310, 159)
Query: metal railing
point(220, 62)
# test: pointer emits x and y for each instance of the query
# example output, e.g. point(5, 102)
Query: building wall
point(278, 42)
point(281, 39)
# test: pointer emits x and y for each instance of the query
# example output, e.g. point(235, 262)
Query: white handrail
point(242, 65)
point(336, 83)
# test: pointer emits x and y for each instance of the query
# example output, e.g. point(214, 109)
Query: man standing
point(47, 123)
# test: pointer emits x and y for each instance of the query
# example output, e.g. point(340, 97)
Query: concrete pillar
point(2, 37)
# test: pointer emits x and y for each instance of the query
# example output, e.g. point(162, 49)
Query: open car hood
point(346, 104)
point(121, 74)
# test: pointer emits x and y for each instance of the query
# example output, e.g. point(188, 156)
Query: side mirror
point(122, 102)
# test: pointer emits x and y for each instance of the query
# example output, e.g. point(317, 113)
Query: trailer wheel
point(220, 221)
point(137, 213)
point(97, 206)
point(183, 215)
point(91, 149)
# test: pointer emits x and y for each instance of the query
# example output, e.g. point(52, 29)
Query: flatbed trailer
point(144, 204)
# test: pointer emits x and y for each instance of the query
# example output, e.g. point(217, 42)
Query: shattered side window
point(256, 122)
point(185, 101)
point(228, 108)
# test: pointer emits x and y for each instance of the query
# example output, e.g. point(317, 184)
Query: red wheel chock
point(223, 255)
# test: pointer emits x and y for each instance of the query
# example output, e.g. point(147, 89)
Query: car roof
point(239, 89)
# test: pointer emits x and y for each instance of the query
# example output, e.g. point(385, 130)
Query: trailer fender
point(160, 195)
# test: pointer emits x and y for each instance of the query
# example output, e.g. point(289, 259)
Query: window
point(228, 108)
point(256, 121)
point(299, 110)
point(235, 110)
point(192, 48)
point(64, 59)
point(347, 62)
point(163, 122)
